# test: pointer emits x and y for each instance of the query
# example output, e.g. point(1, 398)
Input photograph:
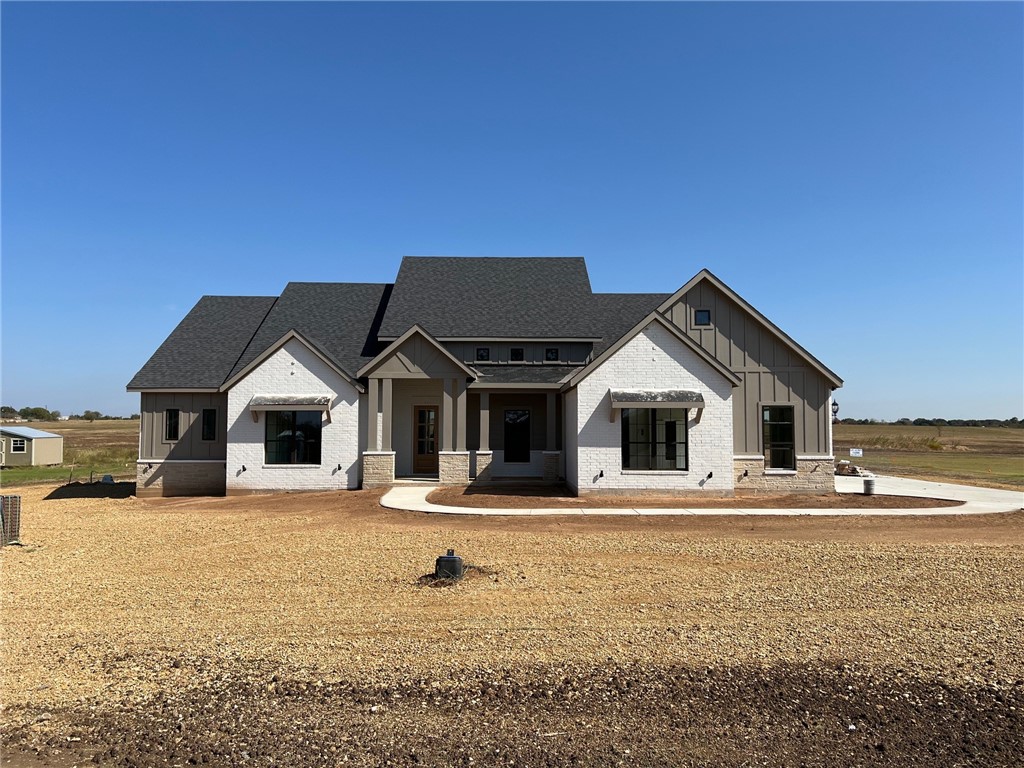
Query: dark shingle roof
point(201, 351)
point(338, 318)
point(524, 374)
point(519, 298)
point(612, 314)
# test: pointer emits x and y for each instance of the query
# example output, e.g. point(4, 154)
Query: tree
point(92, 415)
point(6, 412)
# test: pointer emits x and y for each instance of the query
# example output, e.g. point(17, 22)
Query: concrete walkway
point(977, 501)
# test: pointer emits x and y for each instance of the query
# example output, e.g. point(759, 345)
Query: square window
point(483, 354)
point(171, 429)
point(551, 354)
point(293, 437)
point(654, 439)
point(702, 317)
point(517, 354)
point(18, 445)
point(209, 423)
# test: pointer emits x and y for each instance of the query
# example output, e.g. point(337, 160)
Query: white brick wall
point(293, 370)
point(653, 359)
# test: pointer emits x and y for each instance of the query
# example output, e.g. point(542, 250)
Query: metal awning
point(657, 398)
point(290, 403)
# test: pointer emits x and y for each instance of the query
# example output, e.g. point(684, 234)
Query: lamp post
point(835, 411)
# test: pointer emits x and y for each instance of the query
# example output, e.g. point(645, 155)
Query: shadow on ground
point(513, 488)
point(96, 490)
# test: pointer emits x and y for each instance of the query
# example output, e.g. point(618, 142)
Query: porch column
point(551, 422)
point(485, 421)
point(460, 413)
point(447, 414)
point(386, 427)
point(372, 435)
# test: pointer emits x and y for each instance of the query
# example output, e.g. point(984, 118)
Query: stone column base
point(483, 466)
point(378, 469)
point(552, 464)
point(453, 467)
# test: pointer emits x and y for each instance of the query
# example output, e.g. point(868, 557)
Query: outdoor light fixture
point(243, 467)
point(835, 409)
point(710, 475)
point(149, 466)
point(339, 468)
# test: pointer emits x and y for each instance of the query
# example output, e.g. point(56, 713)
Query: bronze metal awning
point(657, 398)
point(290, 403)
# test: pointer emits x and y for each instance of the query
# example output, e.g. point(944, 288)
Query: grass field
point(976, 455)
point(90, 448)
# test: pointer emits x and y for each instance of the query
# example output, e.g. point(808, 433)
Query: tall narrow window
point(293, 437)
point(778, 433)
point(209, 423)
point(171, 424)
point(654, 438)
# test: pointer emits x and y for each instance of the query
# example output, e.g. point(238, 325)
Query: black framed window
point(293, 437)
point(171, 424)
point(702, 317)
point(517, 354)
point(483, 354)
point(517, 436)
point(209, 423)
point(654, 438)
point(551, 354)
point(778, 432)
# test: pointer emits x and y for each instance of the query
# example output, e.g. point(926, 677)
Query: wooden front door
point(424, 440)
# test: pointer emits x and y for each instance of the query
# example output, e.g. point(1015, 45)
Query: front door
point(424, 440)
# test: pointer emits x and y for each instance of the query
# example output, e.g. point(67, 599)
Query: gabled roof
point(337, 319)
point(394, 346)
point(522, 298)
point(27, 432)
point(653, 317)
point(311, 345)
point(782, 336)
point(201, 351)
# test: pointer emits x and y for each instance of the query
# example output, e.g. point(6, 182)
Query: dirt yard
point(295, 630)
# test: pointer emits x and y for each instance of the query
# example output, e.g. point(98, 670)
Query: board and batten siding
point(190, 444)
point(771, 372)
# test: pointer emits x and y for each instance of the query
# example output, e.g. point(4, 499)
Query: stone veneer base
point(378, 469)
point(812, 476)
point(453, 467)
point(180, 478)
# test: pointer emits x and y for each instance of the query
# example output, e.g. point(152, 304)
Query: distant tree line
point(44, 414)
point(1013, 423)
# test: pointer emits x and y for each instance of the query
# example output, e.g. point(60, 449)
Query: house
point(27, 447)
point(471, 370)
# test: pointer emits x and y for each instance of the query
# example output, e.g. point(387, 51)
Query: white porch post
point(372, 435)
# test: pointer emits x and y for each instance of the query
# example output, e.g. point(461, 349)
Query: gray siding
point(771, 372)
point(189, 444)
point(533, 351)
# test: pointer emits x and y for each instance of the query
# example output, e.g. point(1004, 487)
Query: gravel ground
point(296, 630)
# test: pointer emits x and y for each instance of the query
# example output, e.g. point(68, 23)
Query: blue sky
point(856, 171)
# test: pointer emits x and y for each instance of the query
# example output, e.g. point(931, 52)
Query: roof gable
point(311, 345)
point(416, 355)
point(768, 325)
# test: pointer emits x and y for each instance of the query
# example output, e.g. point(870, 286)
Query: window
point(778, 432)
point(702, 317)
point(551, 354)
point(171, 424)
point(517, 436)
point(209, 423)
point(654, 438)
point(293, 437)
point(17, 445)
point(517, 354)
point(483, 354)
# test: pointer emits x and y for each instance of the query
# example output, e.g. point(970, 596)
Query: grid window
point(293, 437)
point(17, 445)
point(654, 438)
point(778, 434)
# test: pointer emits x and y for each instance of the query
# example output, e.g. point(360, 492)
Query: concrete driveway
point(977, 501)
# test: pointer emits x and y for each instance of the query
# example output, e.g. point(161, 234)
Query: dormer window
point(483, 354)
point(517, 354)
point(551, 354)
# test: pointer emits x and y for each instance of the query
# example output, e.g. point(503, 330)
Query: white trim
point(780, 471)
point(815, 458)
point(748, 457)
point(378, 453)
